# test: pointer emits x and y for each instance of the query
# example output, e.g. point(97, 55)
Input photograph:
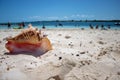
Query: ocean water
point(64, 24)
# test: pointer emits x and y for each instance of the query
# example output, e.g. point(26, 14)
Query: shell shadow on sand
point(35, 54)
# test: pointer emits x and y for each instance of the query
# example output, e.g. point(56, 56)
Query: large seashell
point(30, 40)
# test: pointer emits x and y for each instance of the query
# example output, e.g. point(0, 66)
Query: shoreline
point(61, 29)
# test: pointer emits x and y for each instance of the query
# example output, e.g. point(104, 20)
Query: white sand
point(76, 55)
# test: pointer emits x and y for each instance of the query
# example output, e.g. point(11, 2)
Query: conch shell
point(30, 40)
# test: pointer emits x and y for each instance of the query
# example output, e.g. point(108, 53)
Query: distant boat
point(118, 23)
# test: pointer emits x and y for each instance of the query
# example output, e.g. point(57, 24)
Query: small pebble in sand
point(118, 73)
point(59, 34)
point(102, 53)
point(67, 37)
point(71, 45)
point(106, 78)
point(82, 63)
point(88, 62)
point(29, 68)
point(60, 58)
point(90, 42)
point(80, 44)
point(100, 42)
point(77, 54)
point(7, 57)
point(72, 54)
point(55, 55)
point(8, 68)
point(82, 52)
point(0, 41)
point(54, 78)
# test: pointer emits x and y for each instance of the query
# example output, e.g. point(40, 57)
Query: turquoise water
point(64, 24)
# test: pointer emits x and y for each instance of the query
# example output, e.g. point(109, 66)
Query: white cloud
point(78, 15)
point(84, 16)
point(65, 17)
point(34, 17)
point(52, 17)
point(74, 16)
point(81, 16)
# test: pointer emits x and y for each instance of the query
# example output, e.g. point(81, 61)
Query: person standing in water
point(23, 24)
point(43, 27)
point(9, 25)
point(91, 27)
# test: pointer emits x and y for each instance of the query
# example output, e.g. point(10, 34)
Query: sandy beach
point(77, 55)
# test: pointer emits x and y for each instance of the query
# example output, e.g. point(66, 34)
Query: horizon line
point(87, 20)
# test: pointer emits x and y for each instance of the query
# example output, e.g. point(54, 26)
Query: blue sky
point(33, 10)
